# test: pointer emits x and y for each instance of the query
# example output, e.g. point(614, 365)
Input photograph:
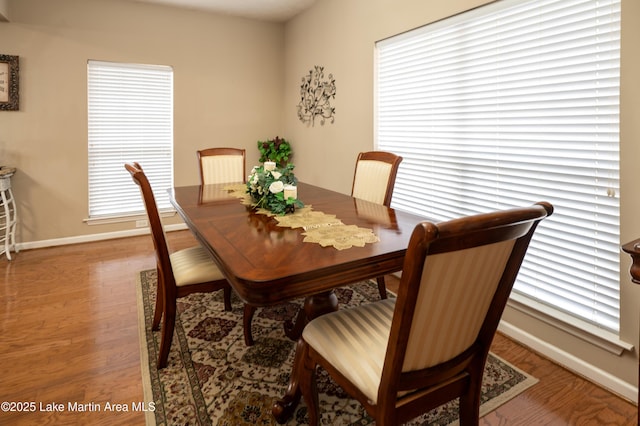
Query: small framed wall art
point(9, 83)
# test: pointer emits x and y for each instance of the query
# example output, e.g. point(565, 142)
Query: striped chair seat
point(366, 330)
point(193, 265)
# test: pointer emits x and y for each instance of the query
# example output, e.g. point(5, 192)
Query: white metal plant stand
point(8, 213)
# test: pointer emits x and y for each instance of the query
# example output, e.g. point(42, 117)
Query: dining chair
point(403, 357)
point(226, 165)
point(180, 273)
point(373, 180)
point(222, 165)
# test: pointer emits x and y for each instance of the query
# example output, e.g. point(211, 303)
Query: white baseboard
point(572, 363)
point(93, 237)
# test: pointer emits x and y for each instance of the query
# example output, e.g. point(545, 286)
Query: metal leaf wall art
point(316, 94)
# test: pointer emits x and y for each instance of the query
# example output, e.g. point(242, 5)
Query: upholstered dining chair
point(180, 273)
point(403, 357)
point(226, 165)
point(373, 180)
point(222, 165)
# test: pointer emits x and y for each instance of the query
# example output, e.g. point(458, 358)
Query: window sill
point(126, 218)
point(601, 338)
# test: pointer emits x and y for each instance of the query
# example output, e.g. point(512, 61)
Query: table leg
point(314, 306)
point(283, 409)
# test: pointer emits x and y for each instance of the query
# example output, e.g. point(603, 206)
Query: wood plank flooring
point(68, 333)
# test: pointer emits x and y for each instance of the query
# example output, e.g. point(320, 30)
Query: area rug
point(212, 378)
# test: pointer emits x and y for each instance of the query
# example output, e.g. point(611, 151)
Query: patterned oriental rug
point(212, 378)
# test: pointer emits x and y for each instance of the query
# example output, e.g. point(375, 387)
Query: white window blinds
point(130, 109)
point(506, 105)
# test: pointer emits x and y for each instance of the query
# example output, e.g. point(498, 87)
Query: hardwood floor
point(68, 327)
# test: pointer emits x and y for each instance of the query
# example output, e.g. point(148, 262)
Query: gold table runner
point(321, 228)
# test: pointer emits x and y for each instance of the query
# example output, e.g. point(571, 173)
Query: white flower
point(276, 175)
point(276, 187)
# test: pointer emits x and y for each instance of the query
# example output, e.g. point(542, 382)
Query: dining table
point(267, 263)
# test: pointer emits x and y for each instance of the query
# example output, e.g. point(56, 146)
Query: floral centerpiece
point(274, 188)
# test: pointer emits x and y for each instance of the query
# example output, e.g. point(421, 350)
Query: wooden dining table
point(267, 264)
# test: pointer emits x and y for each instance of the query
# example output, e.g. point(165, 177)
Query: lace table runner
point(321, 228)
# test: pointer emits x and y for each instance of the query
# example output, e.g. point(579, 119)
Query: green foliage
point(277, 150)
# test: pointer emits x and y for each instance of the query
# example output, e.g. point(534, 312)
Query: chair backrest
point(157, 230)
point(222, 165)
point(375, 176)
point(456, 279)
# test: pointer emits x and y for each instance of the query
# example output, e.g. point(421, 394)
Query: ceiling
point(269, 10)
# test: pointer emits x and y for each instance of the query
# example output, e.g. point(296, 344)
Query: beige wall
point(340, 36)
point(228, 82)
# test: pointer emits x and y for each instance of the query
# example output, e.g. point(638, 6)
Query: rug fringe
point(149, 416)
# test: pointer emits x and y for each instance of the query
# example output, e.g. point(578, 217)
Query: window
point(130, 119)
point(506, 105)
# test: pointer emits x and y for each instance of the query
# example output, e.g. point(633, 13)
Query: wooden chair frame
point(167, 291)
point(460, 376)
